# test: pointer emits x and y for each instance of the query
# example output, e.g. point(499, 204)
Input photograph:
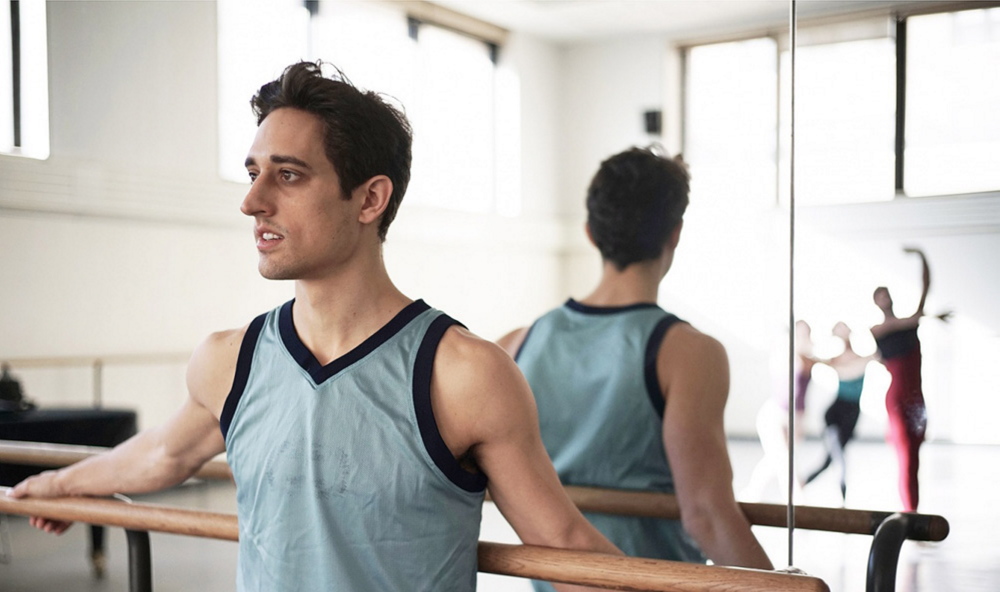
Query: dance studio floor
point(958, 482)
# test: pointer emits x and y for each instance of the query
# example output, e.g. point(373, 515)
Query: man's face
point(304, 229)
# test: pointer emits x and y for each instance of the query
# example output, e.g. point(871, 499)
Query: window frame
point(27, 52)
point(897, 18)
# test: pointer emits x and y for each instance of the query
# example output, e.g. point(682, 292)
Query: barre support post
point(884, 555)
point(140, 565)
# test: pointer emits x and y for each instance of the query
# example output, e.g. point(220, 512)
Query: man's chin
point(271, 273)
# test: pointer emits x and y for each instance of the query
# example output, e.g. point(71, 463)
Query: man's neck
point(637, 283)
point(334, 315)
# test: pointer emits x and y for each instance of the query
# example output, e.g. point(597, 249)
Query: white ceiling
point(570, 21)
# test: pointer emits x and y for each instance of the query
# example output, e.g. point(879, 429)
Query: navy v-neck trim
point(319, 373)
point(605, 310)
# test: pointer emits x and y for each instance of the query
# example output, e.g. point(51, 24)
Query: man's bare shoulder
point(683, 341)
point(478, 393)
point(511, 342)
point(212, 368)
point(477, 376)
point(468, 356)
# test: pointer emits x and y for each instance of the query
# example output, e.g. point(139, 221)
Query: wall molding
point(93, 189)
point(908, 217)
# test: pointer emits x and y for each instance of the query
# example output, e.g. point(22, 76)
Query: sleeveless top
point(342, 479)
point(850, 390)
point(898, 343)
point(902, 358)
point(600, 409)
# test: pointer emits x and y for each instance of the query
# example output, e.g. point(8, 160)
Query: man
point(629, 396)
point(362, 427)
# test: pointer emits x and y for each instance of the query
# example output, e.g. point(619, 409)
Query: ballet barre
point(43, 454)
point(926, 527)
point(887, 529)
point(573, 567)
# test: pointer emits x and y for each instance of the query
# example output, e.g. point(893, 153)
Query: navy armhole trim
point(649, 370)
point(433, 441)
point(243, 363)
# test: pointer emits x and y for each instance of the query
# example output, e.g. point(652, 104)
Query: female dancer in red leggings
point(899, 349)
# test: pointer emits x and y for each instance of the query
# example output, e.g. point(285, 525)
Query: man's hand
point(42, 485)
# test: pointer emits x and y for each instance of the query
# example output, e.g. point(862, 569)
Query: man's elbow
point(707, 519)
point(699, 522)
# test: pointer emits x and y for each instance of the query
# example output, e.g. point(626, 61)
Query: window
point(24, 93)
point(952, 103)
point(446, 83)
point(883, 108)
point(257, 39)
point(731, 117)
point(452, 116)
point(844, 122)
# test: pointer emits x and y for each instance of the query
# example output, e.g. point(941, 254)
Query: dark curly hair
point(636, 199)
point(364, 135)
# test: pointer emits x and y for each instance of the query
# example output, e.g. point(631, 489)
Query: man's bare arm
point(925, 279)
point(158, 457)
point(694, 375)
point(484, 405)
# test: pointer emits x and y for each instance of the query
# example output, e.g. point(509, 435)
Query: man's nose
point(256, 201)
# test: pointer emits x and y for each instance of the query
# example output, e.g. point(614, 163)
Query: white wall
point(126, 242)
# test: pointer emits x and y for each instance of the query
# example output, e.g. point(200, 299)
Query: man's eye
point(253, 177)
point(289, 175)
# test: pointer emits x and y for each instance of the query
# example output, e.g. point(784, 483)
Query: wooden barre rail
point(42, 454)
point(631, 503)
point(102, 360)
point(560, 565)
point(662, 505)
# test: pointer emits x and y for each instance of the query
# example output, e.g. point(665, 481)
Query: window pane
point(953, 94)
point(257, 40)
point(730, 121)
point(452, 117)
point(369, 42)
point(6, 81)
point(845, 104)
point(34, 80)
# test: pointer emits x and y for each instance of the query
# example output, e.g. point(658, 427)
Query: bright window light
point(452, 114)
point(730, 121)
point(257, 40)
point(845, 105)
point(952, 96)
point(32, 116)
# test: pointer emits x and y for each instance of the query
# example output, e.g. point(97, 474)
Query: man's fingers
point(49, 526)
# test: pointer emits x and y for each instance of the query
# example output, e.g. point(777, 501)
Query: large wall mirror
point(125, 125)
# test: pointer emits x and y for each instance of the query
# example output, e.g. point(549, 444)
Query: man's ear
point(374, 194)
point(675, 235)
point(590, 236)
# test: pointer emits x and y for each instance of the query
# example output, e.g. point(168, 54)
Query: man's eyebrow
point(280, 159)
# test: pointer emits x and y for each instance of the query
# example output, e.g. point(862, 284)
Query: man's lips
point(267, 239)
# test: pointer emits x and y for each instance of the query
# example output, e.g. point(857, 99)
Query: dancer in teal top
point(629, 396)
point(842, 415)
point(362, 426)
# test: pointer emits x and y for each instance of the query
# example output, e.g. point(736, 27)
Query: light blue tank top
point(342, 479)
point(600, 408)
